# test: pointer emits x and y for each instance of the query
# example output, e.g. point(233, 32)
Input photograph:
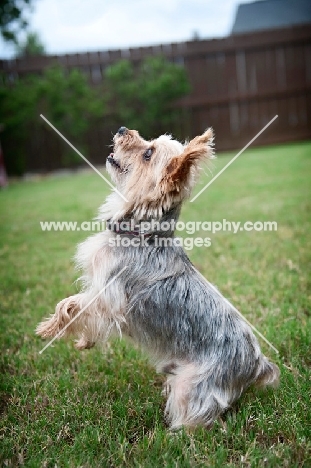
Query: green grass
point(103, 408)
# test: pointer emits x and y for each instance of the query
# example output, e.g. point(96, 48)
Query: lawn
point(103, 407)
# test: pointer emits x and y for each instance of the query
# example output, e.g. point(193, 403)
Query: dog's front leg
point(90, 321)
point(62, 322)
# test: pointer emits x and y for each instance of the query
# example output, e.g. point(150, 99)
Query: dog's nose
point(122, 131)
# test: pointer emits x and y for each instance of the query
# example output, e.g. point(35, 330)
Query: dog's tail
point(269, 374)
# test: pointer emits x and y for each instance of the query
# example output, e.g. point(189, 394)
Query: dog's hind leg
point(180, 386)
point(197, 397)
point(194, 399)
point(177, 389)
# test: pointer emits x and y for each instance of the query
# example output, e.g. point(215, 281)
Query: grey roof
point(271, 14)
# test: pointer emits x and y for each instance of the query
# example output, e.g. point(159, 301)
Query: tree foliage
point(142, 97)
point(139, 97)
point(65, 98)
point(68, 100)
point(12, 18)
point(31, 46)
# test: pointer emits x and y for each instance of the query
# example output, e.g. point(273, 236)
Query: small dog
point(160, 301)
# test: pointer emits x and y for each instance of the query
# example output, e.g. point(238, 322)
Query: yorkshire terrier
point(191, 333)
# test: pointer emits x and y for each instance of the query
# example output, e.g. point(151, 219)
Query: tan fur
point(65, 311)
point(166, 179)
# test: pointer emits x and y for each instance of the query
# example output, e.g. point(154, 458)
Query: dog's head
point(155, 175)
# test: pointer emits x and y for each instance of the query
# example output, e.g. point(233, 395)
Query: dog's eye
point(147, 154)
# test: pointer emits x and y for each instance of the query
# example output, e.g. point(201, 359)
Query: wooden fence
point(238, 84)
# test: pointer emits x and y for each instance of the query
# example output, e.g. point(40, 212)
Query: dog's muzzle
point(113, 162)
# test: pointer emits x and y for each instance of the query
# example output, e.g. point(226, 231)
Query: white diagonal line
point(233, 159)
point(238, 312)
point(82, 310)
point(84, 158)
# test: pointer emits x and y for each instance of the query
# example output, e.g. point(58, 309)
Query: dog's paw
point(84, 343)
point(62, 321)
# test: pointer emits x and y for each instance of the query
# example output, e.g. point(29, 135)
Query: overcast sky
point(66, 26)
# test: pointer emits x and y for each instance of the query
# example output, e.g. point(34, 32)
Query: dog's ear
point(198, 149)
